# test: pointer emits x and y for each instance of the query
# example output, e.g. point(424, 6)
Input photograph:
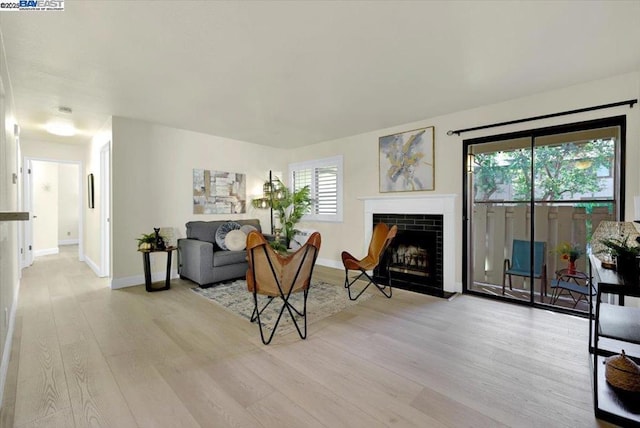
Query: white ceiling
point(289, 74)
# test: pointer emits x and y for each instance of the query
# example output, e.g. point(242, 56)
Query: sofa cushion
point(223, 258)
point(222, 231)
point(203, 230)
point(236, 240)
point(251, 222)
point(248, 228)
point(206, 230)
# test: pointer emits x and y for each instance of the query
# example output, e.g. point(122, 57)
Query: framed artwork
point(90, 197)
point(219, 192)
point(406, 161)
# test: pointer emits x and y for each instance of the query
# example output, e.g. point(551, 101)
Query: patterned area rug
point(323, 300)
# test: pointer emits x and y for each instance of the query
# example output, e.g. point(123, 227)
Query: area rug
point(323, 300)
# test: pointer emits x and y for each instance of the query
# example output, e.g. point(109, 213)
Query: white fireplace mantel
point(443, 204)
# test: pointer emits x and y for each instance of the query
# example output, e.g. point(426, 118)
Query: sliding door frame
point(619, 191)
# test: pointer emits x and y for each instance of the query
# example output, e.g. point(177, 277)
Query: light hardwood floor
point(84, 355)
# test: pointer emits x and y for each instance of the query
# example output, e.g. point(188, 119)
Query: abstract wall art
point(406, 161)
point(219, 192)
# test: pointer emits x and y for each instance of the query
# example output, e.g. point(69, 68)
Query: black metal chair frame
point(348, 284)
point(381, 288)
point(255, 316)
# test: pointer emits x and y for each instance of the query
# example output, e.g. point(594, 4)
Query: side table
point(146, 261)
point(576, 282)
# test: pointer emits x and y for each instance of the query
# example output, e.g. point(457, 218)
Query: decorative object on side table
point(146, 241)
point(569, 252)
point(625, 251)
point(159, 241)
point(152, 241)
point(622, 373)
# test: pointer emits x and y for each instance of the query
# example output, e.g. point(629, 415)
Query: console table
point(613, 327)
point(146, 260)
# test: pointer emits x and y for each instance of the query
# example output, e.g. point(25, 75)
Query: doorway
point(53, 198)
point(532, 201)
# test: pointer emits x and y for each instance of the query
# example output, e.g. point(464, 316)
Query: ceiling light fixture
point(63, 129)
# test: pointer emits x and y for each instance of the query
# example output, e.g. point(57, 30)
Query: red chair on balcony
point(520, 264)
point(380, 240)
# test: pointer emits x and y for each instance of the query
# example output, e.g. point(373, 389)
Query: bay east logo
point(41, 4)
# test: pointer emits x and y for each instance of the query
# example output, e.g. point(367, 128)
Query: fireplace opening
point(413, 260)
point(411, 256)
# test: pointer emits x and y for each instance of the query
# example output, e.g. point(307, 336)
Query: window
point(324, 178)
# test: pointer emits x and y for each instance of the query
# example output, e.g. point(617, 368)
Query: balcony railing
point(496, 225)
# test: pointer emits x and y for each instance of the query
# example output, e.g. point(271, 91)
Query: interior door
point(28, 206)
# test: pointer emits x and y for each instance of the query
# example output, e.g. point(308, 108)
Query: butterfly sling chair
point(278, 277)
point(380, 240)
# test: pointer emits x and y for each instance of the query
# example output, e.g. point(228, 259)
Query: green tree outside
point(562, 171)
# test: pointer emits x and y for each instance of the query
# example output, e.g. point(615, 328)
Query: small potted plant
point(146, 241)
point(626, 252)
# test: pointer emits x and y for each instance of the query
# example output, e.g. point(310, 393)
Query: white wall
point(9, 197)
point(68, 201)
point(361, 152)
point(53, 151)
point(92, 247)
point(152, 180)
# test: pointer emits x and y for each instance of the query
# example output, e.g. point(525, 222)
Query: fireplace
point(413, 260)
point(444, 280)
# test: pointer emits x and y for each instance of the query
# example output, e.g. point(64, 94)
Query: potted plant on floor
point(290, 206)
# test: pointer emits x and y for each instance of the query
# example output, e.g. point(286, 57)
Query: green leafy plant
point(569, 251)
point(621, 247)
point(290, 207)
point(146, 241)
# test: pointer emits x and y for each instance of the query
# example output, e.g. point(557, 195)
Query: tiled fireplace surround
point(425, 204)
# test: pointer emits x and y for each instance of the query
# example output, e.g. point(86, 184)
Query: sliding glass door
point(532, 200)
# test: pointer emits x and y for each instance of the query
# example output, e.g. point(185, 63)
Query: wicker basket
point(622, 373)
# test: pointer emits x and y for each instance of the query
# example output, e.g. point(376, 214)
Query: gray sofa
point(202, 261)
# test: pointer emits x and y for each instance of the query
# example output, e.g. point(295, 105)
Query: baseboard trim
point(6, 355)
point(330, 263)
point(46, 252)
point(94, 267)
point(132, 281)
point(68, 242)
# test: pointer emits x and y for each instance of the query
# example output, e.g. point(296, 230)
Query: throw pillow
point(236, 240)
point(222, 231)
point(248, 228)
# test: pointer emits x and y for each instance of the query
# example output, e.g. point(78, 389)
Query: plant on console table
point(626, 253)
point(146, 241)
point(290, 207)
